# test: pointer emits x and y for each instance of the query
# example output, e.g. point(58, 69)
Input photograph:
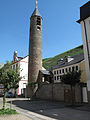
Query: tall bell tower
point(35, 50)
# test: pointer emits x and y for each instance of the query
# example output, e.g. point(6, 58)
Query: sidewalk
point(47, 110)
point(14, 117)
point(83, 107)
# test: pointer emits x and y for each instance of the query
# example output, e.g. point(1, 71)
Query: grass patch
point(7, 111)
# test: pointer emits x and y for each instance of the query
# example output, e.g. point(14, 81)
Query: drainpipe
point(87, 43)
point(81, 93)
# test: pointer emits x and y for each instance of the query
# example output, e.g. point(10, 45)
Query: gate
point(69, 95)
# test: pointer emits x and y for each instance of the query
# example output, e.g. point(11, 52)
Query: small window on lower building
point(73, 68)
point(69, 69)
point(55, 78)
point(66, 69)
point(13, 67)
point(55, 72)
point(62, 70)
point(76, 68)
point(60, 76)
point(43, 79)
point(16, 67)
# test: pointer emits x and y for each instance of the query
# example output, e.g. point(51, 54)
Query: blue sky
point(60, 30)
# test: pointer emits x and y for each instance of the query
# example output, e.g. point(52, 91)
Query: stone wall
point(56, 92)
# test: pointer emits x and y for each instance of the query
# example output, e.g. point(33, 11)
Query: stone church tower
point(35, 51)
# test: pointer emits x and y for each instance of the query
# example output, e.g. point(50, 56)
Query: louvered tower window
point(38, 21)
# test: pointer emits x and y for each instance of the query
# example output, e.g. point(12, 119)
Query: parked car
point(1, 94)
point(10, 95)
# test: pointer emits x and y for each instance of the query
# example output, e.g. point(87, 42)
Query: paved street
point(46, 110)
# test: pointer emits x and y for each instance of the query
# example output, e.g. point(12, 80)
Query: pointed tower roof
point(36, 11)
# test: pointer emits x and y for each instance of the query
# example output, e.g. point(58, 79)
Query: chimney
point(14, 56)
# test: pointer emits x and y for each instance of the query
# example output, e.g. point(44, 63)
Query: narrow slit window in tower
point(38, 21)
point(38, 28)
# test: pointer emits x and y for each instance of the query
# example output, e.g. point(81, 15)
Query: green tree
point(71, 78)
point(9, 79)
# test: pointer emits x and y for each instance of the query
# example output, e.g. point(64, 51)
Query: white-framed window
point(66, 70)
point(57, 72)
point(14, 67)
point(54, 72)
point(77, 68)
point(55, 78)
point(73, 68)
point(60, 71)
point(69, 69)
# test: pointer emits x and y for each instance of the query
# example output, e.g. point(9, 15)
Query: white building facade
point(69, 64)
point(64, 70)
point(21, 66)
point(66, 65)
